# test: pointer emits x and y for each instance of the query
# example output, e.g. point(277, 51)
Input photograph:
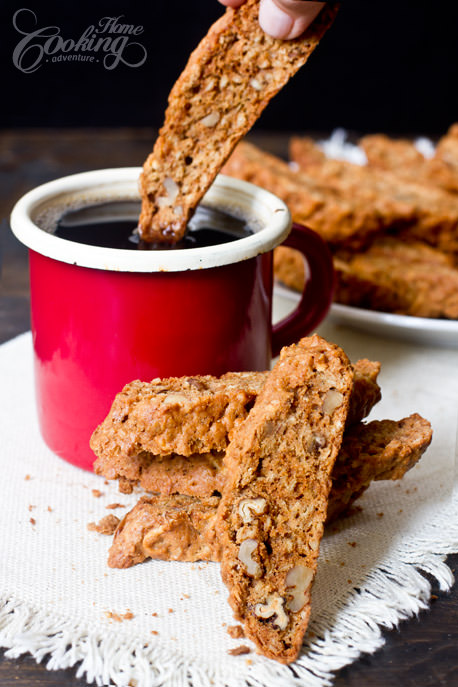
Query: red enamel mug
point(102, 317)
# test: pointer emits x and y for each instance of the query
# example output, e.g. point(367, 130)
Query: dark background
point(383, 66)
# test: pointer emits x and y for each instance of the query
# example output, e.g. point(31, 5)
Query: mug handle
point(318, 289)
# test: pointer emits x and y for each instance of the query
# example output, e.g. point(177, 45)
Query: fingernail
point(273, 20)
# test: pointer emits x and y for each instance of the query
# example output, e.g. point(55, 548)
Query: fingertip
point(232, 3)
point(298, 27)
point(273, 20)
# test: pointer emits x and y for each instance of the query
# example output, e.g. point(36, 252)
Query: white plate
point(420, 330)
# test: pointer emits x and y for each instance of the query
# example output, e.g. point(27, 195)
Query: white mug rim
point(270, 211)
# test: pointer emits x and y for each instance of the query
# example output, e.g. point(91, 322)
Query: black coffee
point(113, 225)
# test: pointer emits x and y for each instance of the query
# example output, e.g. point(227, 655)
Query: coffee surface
point(114, 225)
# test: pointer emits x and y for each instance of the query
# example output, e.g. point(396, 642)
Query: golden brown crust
point(180, 415)
point(200, 474)
point(289, 268)
point(407, 205)
point(328, 211)
point(447, 154)
point(176, 529)
point(280, 460)
point(365, 392)
point(183, 411)
point(391, 154)
point(395, 275)
point(408, 278)
point(379, 450)
point(401, 157)
point(227, 83)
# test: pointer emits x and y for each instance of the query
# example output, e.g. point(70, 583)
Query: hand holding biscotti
point(283, 18)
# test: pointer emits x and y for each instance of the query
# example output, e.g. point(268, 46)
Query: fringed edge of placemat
point(394, 591)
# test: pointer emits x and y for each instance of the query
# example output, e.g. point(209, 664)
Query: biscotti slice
point(364, 186)
point(362, 280)
point(183, 528)
point(378, 450)
point(228, 81)
point(365, 392)
point(447, 155)
point(399, 276)
point(403, 159)
point(271, 517)
point(201, 474)
point(182, 415)
point(332, 214)
point(187, 413)
point(410, 189)
point(342, 209)
point(178, 528)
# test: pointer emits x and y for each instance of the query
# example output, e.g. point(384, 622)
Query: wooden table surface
point(423, 651)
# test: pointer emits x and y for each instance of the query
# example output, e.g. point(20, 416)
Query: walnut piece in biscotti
point(228, 81)
point(148, 423)
point(282, 456)
point(379, 450)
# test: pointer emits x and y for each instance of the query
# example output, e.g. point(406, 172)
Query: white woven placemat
point(56, 589)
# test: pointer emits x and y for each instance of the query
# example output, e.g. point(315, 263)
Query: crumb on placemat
point(112, 506)
point(96, 493)
point(107, 525)
point(119, 617)
point(240, 650)
point(235, 631)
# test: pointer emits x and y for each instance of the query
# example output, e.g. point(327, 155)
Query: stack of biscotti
point(246, 469)
point(391, 224)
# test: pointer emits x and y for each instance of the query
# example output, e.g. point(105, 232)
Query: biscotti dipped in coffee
point(271, 516)
point(169, 436)
point(182, 528)
point(228, 81)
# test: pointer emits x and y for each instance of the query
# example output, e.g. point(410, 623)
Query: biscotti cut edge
point(282, 458)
